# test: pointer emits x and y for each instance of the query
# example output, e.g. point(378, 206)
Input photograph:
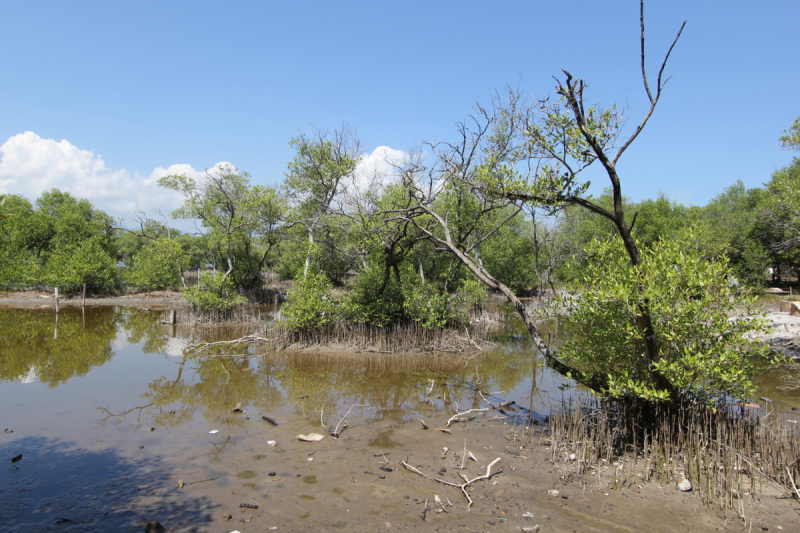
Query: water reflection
point(35, 345)
point(310, 384)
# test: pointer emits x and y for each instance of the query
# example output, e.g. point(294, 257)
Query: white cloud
point(378, 169)
point(31, 165)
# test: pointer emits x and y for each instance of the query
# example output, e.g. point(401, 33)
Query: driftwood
point(462, 486)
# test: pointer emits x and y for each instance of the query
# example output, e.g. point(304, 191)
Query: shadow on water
point(58, 486)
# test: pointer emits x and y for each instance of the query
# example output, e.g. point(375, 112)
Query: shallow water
point(106, 411)
point(109, 415)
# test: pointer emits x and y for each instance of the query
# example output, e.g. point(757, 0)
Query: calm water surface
point(108, 412)
point(104, 406)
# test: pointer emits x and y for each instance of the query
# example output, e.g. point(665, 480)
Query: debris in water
point(311, 437)
point(424, 425)
point(214, 431)
point(17, 458)
point(238, 408)
point(552, 492)
point(7, 430)
point(272, 443)
point(180, 483)
point(152, 429)
point(248, 506)
point(270, 420)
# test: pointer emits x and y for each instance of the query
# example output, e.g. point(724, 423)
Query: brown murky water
point(110, 417)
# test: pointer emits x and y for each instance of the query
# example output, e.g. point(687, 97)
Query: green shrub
point(365, 303)
point(158, 265)
point(311, 305)
point(703, 350)
point(214, 293)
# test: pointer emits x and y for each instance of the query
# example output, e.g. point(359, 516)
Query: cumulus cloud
point(31, 165)
point(378, 169)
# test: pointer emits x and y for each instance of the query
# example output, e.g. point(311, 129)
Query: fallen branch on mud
point(336, 432)
point(462, 486)
point(247, 339)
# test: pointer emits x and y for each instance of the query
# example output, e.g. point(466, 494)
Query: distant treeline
point(329, 223)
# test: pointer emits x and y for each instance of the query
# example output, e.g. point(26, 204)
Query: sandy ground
point(785, 331)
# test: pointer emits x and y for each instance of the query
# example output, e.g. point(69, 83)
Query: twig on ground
point(459, 415)
point(462, 486)
point(335, 432)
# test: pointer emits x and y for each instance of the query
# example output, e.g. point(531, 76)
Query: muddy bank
point(40, 299)
point(237, 480)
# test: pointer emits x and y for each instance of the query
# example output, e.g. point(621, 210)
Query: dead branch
point(335, 432)
point(462, 486)
point(247, 339)
point(796, 492)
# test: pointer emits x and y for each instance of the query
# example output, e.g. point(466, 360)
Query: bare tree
point(516, 153)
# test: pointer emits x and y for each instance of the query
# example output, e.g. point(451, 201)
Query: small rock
point(386, 468)
point(227, 516)
point(552, 492)
point(181, 483)
point(271, 474)
point(572, 457)
point(154, 527)
point(685, 485)
point(248, 506)
point(528, 515)
point(141, 446)
point(533, 529)
point(152, 429)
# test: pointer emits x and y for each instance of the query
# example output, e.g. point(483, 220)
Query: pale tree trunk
point(308, 253)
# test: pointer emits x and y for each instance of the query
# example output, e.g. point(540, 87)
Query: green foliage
point(158, 265)
point(61, 241)
point(370, 300)
point(242, 221)
point(86, 262)
point(213, 292)
point(703, 351)
point(791, 137)
point(311, 305)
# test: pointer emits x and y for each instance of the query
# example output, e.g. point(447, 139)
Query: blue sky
point(116, 94)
